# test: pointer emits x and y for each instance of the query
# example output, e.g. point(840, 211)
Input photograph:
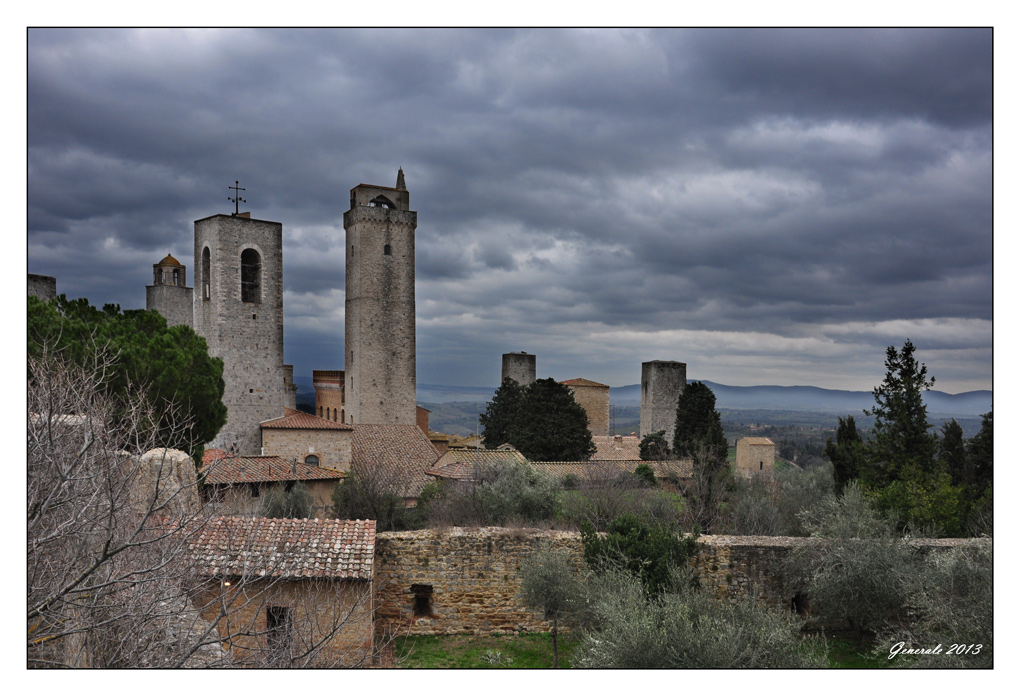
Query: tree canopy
point(846, 453)
point(542, 420)
point(698, 424)
point(169, 364)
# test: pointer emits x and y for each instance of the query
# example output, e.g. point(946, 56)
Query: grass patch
point(529, 651)
point(843, 653)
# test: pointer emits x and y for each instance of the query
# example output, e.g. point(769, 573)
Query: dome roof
point(168, 261)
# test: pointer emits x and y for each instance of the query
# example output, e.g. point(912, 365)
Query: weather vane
point(237, 196)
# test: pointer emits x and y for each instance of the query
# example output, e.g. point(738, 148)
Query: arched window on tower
point(320, 411)
point(205, 273)
point(387, 250)
point(381, 202)
point(312, 460)
point(177, 277)
point(251, 276)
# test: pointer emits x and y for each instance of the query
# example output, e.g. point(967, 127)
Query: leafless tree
point(111, 576)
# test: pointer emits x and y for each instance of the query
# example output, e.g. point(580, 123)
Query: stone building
point(239, 312)
point(290, 389)
point(288, 592)
point(616, 447)
point(42, 286)
point(594, 399)
point(662, 383)
point(308, 439)
point(329, 394)
point(519, 366)
point(756, 456)
point(379, 322)
point(169, 294)
point(237, 485)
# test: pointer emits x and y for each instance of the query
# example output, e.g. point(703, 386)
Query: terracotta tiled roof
point(602, 468)
point(168, 261)
point(399, 453)
point(228, 470)
point(608, 447)
point(299, 420)
point(581, 382)
point(284, 548)
point(460, 464)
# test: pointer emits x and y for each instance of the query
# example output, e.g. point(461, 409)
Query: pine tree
point(499, 422)
point(952, 452)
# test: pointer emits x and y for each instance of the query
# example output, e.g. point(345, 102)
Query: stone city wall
point(332, 447)
point(461, 580)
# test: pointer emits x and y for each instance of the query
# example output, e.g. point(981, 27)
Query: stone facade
point(435, 582)
point(662, 383)
point(594, 399)
point(169, 294)
point(756, 456)
point(331, 447)
point(42, 286)
point(329, 394)
point(519, 366)
point(241, 320)
point(246, 499)
point(379, 322)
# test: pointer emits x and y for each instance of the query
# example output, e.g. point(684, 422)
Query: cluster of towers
point(238, 309)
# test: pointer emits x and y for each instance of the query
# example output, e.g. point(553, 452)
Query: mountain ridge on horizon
point(766, 397)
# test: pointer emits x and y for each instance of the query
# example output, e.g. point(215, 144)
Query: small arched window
point(320, 411)
point(177, 277)
point(251, 276)
point(761, 466)
point(386, 250)
point(312, 460)
point(381, 202)
point(205, 273)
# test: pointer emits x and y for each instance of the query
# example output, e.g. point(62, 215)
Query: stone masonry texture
point(248, 336)
point(42, 286)
point(662, 382)
point(471, 577)
point(379, 322)
point(520, 366)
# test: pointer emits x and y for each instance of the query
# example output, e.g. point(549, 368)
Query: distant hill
point(808, 399)
point(817, 399)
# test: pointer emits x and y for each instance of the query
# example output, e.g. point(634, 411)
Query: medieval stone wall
point(469, 578)
point(42, 286)
point(595, 402)
point(247, 335)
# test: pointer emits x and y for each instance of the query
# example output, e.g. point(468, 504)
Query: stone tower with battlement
point(662, 383)
point(519, 366)
point(169, 294)
point(239, 312)
point(379, 328)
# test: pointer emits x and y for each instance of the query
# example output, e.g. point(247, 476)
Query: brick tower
point(239, 311)
point(379, 341)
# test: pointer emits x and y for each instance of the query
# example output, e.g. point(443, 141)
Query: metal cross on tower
point(237, 196)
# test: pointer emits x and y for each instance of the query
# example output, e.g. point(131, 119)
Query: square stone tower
point(379, 339)
point(662, 383)
point(169, 294)
point(239, 312)
point(593, 397)
point(756, 456)
point(519, 366)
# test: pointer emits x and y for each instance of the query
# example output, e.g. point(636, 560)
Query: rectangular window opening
point(280, 633)
point(422, 606)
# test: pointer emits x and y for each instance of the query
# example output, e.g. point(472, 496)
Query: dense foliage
point(550, 584)
point(698, 435)
point(654, 447)
point(925, 482)
point(496, 495)
point(685, 627)
point(648, 550)
point(170, 366)
point(541, 420)
point(281, 503)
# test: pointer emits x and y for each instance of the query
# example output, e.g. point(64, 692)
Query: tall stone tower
point(169, 294)
point(239, 311)
point(379, 342)
point(520, 366)
point(662, 383)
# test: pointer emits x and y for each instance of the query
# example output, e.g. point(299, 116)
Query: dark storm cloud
point(759, 203)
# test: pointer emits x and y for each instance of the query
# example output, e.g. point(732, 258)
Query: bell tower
point(169, 294)
point(379, 329)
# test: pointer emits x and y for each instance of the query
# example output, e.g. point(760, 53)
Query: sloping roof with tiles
point(219, 468)
point(460, 464)
point(581, 382)
point(299, 420)
point(284, 548)
point(399, 453)
point(616, 447)
point(680, 468)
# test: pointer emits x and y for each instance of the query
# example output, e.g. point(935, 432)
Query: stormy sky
point(768, 206)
